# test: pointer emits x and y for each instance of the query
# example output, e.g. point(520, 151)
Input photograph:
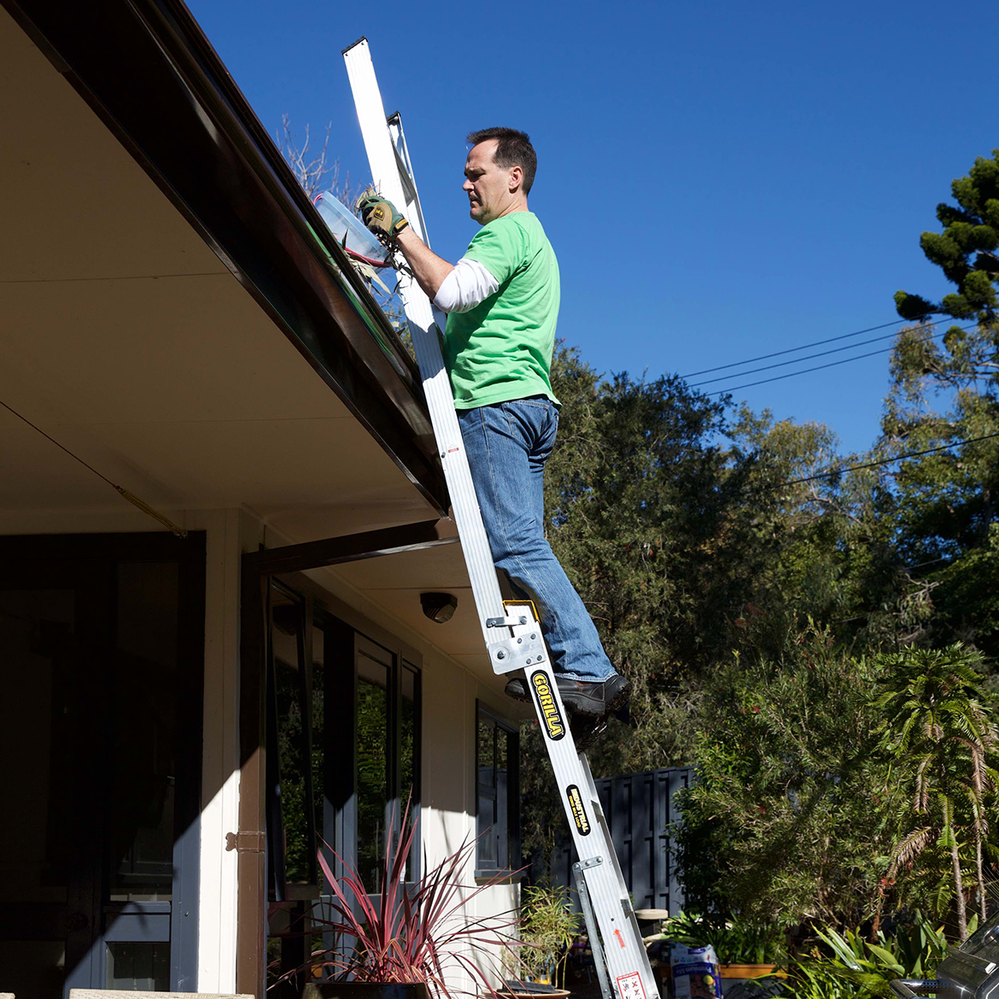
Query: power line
point(798, 360)
point(791, 350)
point(831, 364)
point(817, 367)
point(888, 461)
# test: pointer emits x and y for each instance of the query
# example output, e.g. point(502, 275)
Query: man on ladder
point(502, 300)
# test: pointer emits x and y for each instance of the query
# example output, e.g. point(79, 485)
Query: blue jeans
point(507, 446)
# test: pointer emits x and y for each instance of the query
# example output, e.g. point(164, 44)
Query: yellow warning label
point(549, 709)
point(577, 810)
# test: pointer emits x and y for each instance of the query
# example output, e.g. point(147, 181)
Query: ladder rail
point(511, 630)
point(426, 330)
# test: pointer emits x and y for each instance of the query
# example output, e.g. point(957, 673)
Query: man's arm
point(428, 269)
point(452, 288)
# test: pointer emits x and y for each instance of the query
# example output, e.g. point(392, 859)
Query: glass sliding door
point(50, 630)
point(101, 661)
point(343, 762)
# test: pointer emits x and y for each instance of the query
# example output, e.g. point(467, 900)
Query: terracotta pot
point(365, 990)
point(745, 970)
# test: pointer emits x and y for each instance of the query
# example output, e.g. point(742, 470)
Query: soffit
point(129, 341)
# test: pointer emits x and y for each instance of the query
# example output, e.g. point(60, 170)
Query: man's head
point(499, 172)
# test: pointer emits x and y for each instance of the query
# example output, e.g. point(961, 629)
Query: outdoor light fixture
point(438, 606)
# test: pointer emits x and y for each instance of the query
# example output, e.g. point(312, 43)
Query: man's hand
point(381, 216)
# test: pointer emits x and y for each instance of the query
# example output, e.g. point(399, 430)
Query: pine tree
point(965, 250)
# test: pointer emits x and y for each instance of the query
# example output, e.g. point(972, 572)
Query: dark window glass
point(33, 967)
point(136, 967)
point(288, 658)
point(318, 721)
point(498, 797)
point(144, 733)
point(372, 767)
point(38, 714)
point(409, 777)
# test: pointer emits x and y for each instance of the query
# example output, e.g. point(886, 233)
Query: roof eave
point(149, 72)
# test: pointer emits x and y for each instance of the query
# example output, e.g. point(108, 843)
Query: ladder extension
point(511, 630)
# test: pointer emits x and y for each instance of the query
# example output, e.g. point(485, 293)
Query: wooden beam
point(350, 547)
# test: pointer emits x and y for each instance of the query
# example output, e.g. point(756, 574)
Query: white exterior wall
point(220, 764)
point(449, 793)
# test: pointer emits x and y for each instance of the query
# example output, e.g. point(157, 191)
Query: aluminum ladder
point(511, 631)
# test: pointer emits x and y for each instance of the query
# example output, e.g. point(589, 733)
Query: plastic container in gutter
point(341, 222)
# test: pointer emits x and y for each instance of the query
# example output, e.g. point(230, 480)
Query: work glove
point(380, 216)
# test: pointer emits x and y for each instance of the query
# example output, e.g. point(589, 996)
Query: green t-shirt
point(502, 349)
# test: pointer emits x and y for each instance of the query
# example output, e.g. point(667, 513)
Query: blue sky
point(720, 180)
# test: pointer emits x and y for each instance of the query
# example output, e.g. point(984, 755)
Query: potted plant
point(402, 943)
point(744, 949)
point(548, 926)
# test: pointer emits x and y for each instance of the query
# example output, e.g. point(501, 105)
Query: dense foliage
point(821, 646)
point(791, 813)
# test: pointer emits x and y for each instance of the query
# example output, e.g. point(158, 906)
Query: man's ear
point(516, 179)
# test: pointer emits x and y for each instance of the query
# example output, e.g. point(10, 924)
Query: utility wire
point(798, 360)
point(819, 367)
point(888, 461)
point(791, 350)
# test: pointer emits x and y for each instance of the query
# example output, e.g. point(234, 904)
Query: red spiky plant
point(415, 932)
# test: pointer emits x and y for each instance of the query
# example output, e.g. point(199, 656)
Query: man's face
point(487, 184)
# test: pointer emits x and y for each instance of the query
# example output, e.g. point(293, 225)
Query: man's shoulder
point(510, 244)
point(523, 229)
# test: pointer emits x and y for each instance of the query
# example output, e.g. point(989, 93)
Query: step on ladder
point(511, 630)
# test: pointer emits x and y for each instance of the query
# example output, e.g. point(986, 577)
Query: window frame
point(513, 831)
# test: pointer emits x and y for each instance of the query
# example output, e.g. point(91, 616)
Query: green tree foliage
point(645, 514)
point(788, 813)
point(944, 504)
point(831, 556)
point(940, 731)
point(965, 250)
point(946, 391)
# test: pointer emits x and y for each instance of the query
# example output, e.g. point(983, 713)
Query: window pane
point(138, 966)
point(496, 749)
point(409, 758)
point(501, 752)
point(288, 621)
point(486, 824)
point(33, 967)
point(407, 738)
point(486, 753)
point(318, 715)
point(144, 750)
point(39, 723)
point(372, 768)
point(500, 823)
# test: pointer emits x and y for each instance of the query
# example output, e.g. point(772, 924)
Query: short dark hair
point(513, 149)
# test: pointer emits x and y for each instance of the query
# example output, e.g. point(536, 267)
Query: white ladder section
point(511, 631)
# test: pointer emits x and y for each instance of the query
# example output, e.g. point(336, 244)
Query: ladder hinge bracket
point(583, 865)
point(522, 646)
point(517, 652)
point(506, 622)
